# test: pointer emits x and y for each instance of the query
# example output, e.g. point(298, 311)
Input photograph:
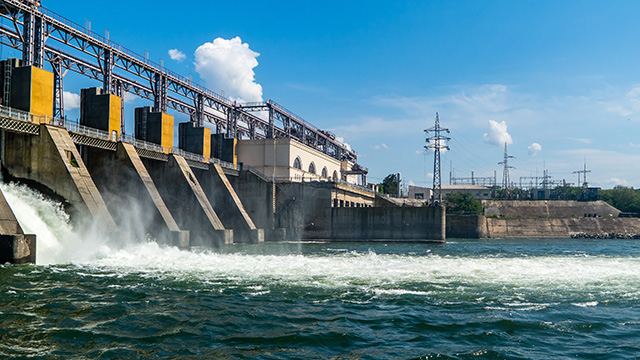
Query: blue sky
point(561, 74)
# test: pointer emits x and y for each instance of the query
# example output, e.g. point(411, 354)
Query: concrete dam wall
point(186, 202)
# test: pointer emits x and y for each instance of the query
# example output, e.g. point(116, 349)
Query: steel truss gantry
point(32, 29)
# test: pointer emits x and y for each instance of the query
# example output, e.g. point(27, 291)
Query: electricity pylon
point(437, 142)
point(505, 172)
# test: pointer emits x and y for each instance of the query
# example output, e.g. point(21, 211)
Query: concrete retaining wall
point(559, 228)
point(466, 226)
point(381, 224)
point(303, 209)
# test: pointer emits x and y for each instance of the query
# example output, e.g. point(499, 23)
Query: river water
point(466, 299)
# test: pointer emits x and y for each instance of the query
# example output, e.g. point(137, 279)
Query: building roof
point(464, 187)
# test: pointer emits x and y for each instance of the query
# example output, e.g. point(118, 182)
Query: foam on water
point(390, 274)
point(57, 241)
point(380, 274)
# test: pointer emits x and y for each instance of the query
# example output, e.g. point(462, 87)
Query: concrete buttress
point(52, 163)
point(228, 206)
point(187, 201)
point(132, 196)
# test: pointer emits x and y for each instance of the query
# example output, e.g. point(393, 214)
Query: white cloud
point(177, 55)
point(381, 146)
point(616, 181)
point(71, 100)
point(534, 149)
point(497, 134)
point(228, 65)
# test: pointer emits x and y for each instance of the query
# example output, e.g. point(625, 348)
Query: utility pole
point(585, 171)
point(578, 172)
point(505, 172)
point(437, 142)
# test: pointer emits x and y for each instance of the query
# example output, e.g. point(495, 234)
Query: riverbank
point(541, 219)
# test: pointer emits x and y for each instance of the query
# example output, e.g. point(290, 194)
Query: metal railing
point(224, 163)
point(88, 131)
point(15, 114)
point(189, 155)
point(28, 117)
point(359, 187)
point(144, 144)
point(105, 135)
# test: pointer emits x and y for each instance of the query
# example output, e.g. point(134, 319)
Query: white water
point(56, 240)
point(58, 243)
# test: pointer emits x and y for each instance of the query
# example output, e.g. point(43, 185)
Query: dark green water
point(499, 299)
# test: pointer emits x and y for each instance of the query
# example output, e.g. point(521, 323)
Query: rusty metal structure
point(44, 37)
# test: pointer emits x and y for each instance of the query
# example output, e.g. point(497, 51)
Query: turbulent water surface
point(498, 299)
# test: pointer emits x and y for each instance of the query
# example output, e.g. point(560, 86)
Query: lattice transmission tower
point(437, 142)
point(585, 171)
point(506, 182)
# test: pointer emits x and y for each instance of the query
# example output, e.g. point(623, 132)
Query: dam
point(239, 173)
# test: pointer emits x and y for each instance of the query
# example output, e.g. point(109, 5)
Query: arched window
point(324, 172)
point(297, 163)
point(312, 168)
point(335, 176)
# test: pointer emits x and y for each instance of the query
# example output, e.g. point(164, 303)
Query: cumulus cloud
point(497, 134)
point(228, 65)
point(381, 146)
point(71, 100)
point(534, 149)
point(177, 55)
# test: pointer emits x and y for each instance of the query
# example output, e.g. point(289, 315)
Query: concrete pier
point(228, 206)
point(15, 246)
point(52, 163)
point(187, 201)
point(132, 196)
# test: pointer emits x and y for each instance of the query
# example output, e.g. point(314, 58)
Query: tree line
point(623, 198)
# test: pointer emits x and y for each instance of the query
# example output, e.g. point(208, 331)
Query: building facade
point(289, 160)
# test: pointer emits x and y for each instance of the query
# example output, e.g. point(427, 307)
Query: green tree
point(390, 184)
point(622, 198)
point(566, 192)
point(462, 202)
